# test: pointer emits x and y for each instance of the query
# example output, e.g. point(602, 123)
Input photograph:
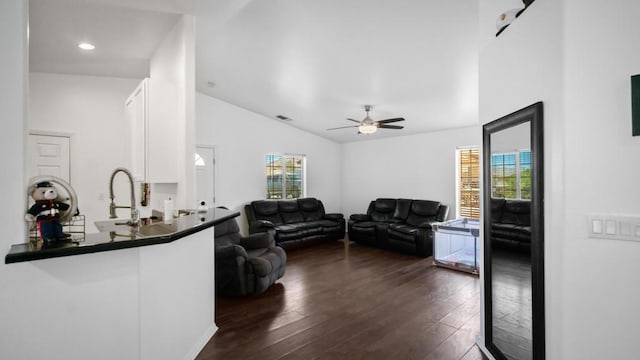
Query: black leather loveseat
point(398, 224)
point(294, 223)
point(511, 223)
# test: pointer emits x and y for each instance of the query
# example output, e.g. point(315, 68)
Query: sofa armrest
point(359, 217)
point(427, 225)
point(334, 216)
point(443, 213)
point(258, 241)
point(259, 226)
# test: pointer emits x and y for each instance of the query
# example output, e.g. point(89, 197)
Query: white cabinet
point(152, 111)
point(137, 109)
point(163, 131)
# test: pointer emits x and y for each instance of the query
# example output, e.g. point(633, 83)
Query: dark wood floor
point(341, 301)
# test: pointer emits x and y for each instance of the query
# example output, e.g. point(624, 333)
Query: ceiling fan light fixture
point(86, 46)
point(367, 129)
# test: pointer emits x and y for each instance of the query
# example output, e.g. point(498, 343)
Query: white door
point(205, 175)
point(49, 155)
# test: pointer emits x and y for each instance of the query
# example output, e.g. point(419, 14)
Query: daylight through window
point(511, 175)
point(468, 199)
point(285, 176)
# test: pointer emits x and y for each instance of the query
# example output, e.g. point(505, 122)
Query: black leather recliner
point(246, 265)
point(295, 223)
point(398, 224)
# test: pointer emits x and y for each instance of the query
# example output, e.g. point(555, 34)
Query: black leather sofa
point(511, 223)
point(398, 224)
point(294, 223)
point(246, 265)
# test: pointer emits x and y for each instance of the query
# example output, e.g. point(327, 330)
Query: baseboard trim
point(199, 345)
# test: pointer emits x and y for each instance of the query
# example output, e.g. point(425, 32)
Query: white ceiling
point(125, 37)
point(316, 62)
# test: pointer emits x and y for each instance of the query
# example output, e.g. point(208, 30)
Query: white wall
point(600, 296)
point(489, 12)
point(172, 114)
point(13, 100)
point(520, 67)
point(577, 57)
point(92, 109)
point(418, 166)
point(13, 97)
point(243, 138)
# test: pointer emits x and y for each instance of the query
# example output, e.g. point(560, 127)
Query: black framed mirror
point(513, 208)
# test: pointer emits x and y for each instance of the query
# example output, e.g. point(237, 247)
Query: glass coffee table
point(455, 244)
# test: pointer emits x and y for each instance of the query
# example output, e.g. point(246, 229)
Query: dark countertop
point(122, 238)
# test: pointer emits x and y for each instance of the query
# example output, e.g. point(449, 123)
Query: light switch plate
point(612, 226)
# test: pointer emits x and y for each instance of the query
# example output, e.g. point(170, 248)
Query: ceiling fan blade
point(391, 127)
point(386, 121)
point(343, 127)
point(354, 120)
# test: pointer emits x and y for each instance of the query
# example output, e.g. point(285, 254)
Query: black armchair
point(246, 265)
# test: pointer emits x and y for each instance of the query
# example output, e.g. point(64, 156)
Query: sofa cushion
point(364, 225)
point(290, 212)
point(517, 212)
point(497, 207)
point(404, 229)
point(289, 228)
point(294, 234)
point(421, 211)
point(267, 210)
point(227, 233)
point(268, 261)
point(383, 210)
point(402, 209)
point(312, 209)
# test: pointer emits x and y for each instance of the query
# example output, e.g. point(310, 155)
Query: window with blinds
point(284, 175)
point(468, 169)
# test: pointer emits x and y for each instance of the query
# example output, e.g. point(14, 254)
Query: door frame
point(215, 173)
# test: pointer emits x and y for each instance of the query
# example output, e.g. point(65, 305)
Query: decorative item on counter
point(145, 193)
point(202, 206)
point(46, 212)
point(167, 214)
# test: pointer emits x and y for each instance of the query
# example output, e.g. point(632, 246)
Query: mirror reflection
point(511, 241)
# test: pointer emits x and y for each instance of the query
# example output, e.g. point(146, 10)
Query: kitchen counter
point(121, 237)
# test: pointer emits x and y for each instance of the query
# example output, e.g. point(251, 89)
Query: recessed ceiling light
point(86, 46)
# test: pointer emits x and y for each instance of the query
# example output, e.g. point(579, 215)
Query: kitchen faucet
point(135, 214)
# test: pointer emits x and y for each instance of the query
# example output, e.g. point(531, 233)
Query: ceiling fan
point(369, 126)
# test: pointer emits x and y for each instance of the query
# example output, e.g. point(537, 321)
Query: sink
point(120, 225)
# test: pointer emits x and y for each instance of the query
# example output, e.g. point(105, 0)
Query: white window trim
point(303, 193)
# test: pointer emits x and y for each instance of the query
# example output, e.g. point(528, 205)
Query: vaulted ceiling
point(315, 62)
